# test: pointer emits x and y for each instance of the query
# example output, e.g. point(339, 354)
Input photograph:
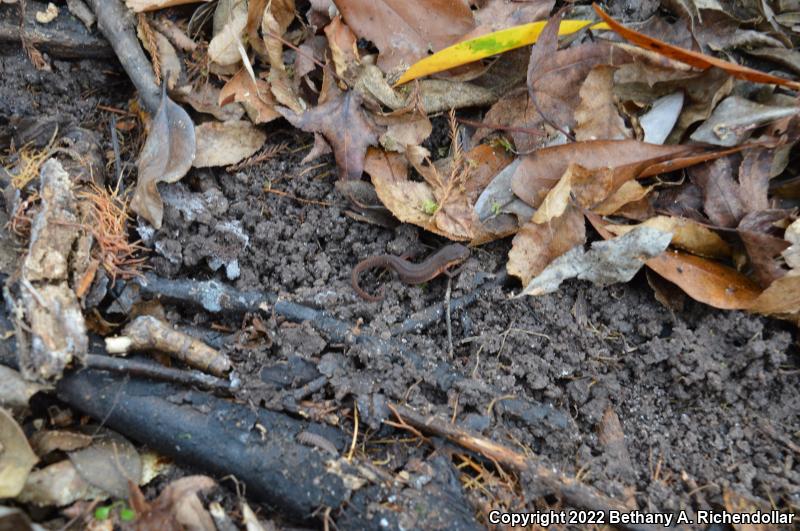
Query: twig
point(449, 323)
point(157, 372)
point(117, 24)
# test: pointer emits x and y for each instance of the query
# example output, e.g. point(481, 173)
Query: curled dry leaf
point(16, 458)
point(536, 245)
point(406, 199)
point(166, 156)
point(695, 59)
point(607, 262)
point(225, 143)
point(344, 49)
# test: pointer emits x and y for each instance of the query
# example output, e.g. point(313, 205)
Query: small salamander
point(410, 273)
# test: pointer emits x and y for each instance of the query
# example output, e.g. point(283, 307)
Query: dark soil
point(708, 400)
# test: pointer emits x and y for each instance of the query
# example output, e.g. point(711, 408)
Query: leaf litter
point(629, 136)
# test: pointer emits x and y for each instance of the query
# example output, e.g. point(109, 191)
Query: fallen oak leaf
point(255, 96)
point(695, 59)
point(167, 155)
point(342, 121)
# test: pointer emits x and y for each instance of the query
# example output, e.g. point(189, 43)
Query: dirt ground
point(708, 401)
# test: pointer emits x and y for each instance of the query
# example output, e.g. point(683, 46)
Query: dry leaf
point(256, 97)
point(225, 143)
point(343, 123)
point(16, 458)
point(406, 199)
point(166, 156)
point(541, 170)
point(224, 46)
point(405, 32)
point(657, 123)
point(735, 118)
point(538, 244)
point(629, 192)
point(596, 116)
point(695, 59)
point(607, 262)
point(706, 281)
point(344, 48)
point(720, 191)
point(686, 234)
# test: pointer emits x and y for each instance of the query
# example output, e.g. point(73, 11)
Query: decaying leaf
point(167, 155)
point(224, 46)
point(536, 245)
point(722, 203)
point(607, 262)
point(597, 117)
point(343, 123)
point(225, 143)
point(15, 391)
point(16, 457)
point(108, 463)
point(542, 169)
point(177, 507)
point(686, 234)
point(735, 119)
point(417, 28)
point(255, 96)
point(152, 5)
point(58, 485)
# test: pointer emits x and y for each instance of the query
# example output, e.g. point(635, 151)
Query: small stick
point(447, 317)
point(157, 372)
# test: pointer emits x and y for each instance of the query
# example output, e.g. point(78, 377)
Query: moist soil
point(707, 400)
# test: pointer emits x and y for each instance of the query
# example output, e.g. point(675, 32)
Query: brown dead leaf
point(406, 199)
point(176, 508)
point(754, 175)
point(344, 49)
point(167, 155)
point(224, 46)
point(542, 169)
point(706, 281)
point(629, 192)
point(275, 20)
point(495, 15)
point(597, 117)
point(343, 123)
point(759, 232)
point(405, 32)
point(538, 244)
point(16, 459)
point(781, 298)
point(152, 5)
point(720, 191)
point(225, 143)
point(695, 59)
point(256, 97)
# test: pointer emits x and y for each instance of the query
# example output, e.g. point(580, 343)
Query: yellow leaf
point(488, 45)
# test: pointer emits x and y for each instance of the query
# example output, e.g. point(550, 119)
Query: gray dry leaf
point(166, 156)
point(657, 123)
point(16, 457)
point(108, 463)
point(735, 118)
point(607, 262)
point(225, 143)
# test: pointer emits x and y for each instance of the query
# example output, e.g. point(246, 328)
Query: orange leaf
point(695, 59)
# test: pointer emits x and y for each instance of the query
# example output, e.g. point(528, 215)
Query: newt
point(409, 272)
